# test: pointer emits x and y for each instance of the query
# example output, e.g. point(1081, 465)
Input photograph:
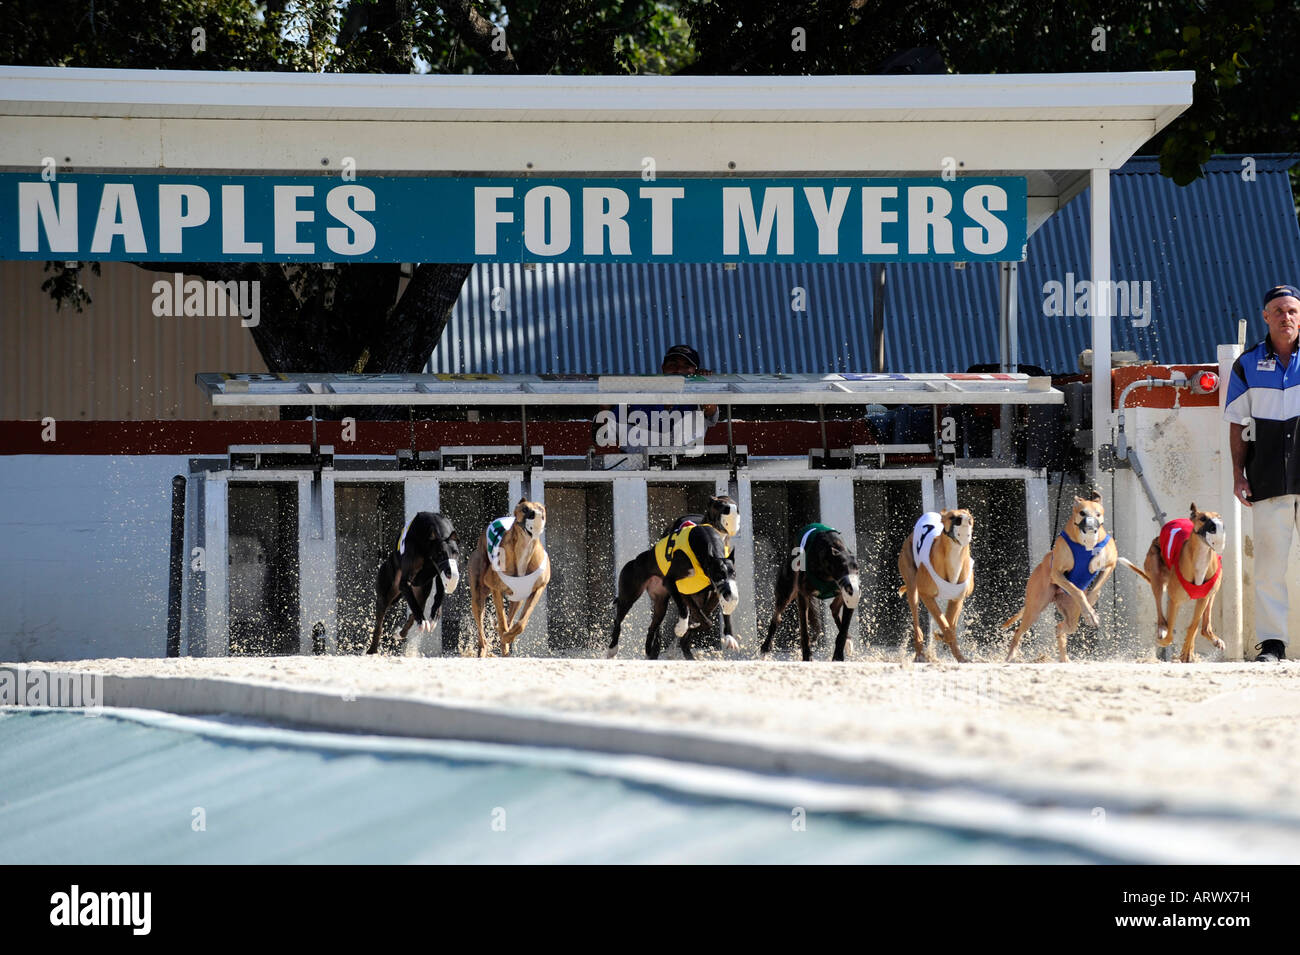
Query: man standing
point(1263, 407)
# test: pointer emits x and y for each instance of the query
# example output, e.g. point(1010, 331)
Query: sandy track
point(1222, 733)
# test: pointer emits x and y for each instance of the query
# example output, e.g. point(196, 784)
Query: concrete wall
point(1184, 454)
point(84, 545)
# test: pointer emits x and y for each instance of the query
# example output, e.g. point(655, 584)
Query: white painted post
point(216, 591)
point(317, 561)
point(420, 493)
point(1099, 303)
point(1231, 602)
point(631, 536)
point(1040, 534)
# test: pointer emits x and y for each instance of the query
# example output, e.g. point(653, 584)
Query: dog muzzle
point(1216, 539)
point(729, 596)
point(731, 523)
point(534, 527)
point(851, 591)
point(450, 577)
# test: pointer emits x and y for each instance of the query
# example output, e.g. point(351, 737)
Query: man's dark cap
point(683, 351)
point(1279, 291)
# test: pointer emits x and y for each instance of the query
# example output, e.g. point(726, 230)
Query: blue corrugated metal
point(1208, 251)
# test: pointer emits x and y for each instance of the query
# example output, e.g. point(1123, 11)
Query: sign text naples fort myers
point(213, 218)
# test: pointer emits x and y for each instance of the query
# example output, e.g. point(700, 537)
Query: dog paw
point(1164, 637)
point(848, 647)
point(729, 643)
point(681, 626)
point(611, 653)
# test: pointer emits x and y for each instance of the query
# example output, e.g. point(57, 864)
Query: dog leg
point(521, 619)
point(1069, 623)
point(805, 608)
point(629, 592)
point(923, 653)
point(653, 644)
point(499, 602)
point(842, 642)
point(784, 594)
point(950, 635)
point(1193, 628)
point(1207, 626)
point(940, 621)
point(381, 609)
point(478, 606)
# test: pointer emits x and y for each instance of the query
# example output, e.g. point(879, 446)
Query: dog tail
point(1135, 568)
point(1013, 619)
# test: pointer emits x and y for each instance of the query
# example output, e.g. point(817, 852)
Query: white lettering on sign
point(928, 208)
point(487, 217)
point(287, 218)
point(778, 211)
point(36, 205)
point(118, 215)
point(337, 220)
point(827, 216)
point(343, 203)
point(604, 211)
point(232, 224)
point(546, 220)
point(874, 217)
point(980, 202)
point(661, 216)
point(180, 207)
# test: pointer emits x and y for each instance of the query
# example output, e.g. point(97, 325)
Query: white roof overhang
point(1050, 128)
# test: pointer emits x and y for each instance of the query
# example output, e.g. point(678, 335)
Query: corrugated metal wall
point(1209, 251)
point(114, 361)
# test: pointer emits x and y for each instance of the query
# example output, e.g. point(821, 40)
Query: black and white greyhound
point(701, 567)
point(821, 567)
point(722, 513)
point(426, 559)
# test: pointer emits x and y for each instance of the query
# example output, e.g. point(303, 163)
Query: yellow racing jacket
point(680, 541)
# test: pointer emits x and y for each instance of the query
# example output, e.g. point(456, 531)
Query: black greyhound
point(722, 513)
point(426, 557)
point(820, 567)
point(704, 582)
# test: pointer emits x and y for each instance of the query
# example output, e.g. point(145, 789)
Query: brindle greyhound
point(1082, 556)
point(428, 544)
point(523, 571)
point(1185, 562)
point(937, 569)
point(821, 567)
point(693, 568)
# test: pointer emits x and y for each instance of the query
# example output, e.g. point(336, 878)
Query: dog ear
point(1093, 495)
point(1193, 510)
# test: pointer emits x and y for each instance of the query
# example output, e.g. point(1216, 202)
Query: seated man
point(657, 427)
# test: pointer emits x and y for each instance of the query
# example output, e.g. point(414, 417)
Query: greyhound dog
point(509, 564)
point(821, 567)
point(1189, 551)
point(694, 567)
point(937, 568)
point(1082, 556)
point(428, 544)
point(722, 513)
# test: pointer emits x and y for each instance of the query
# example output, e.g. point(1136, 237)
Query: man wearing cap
point(677, 360)
point(1263, 408)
